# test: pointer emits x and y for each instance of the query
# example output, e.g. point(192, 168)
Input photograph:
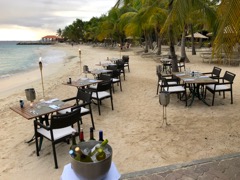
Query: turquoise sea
point(19, 58)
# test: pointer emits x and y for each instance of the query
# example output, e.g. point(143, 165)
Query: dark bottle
point(81, 135)
point(91, 134)
point(101, 135)
point(74, 144)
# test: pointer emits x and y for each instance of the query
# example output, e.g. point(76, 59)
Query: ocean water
point(19, 58)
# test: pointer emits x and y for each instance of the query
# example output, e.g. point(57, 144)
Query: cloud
point(50, 14)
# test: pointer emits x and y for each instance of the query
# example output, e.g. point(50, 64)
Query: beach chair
point(125, 59)
point(103, 91)
point(225, 84)
point(215, 74)
point(83, 99)
point(60, 129)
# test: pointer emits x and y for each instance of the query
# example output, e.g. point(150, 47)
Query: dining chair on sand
point(125, 59)
point(179, 89)
point(161, 75)
point(215, 74)
point(103, 91)
point(84, 100)
point(225, 84)
point(115, 77)
point(59, 129)
point(120, 66)
point(181, 64)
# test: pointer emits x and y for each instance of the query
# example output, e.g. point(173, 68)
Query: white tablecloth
point(69, 174)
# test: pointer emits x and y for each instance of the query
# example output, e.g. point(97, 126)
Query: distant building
point(50, 38)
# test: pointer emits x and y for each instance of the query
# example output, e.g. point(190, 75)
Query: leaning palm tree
point(227, 34)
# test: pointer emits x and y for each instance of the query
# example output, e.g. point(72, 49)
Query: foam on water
point(19, 58)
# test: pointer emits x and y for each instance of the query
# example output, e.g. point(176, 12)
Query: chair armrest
point(69, 99)
point(41, 125)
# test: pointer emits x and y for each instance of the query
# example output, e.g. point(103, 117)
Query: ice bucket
point(92, 170)
point(30, 94)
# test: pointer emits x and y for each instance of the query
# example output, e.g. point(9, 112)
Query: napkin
point(53, 106)
point(51, 101)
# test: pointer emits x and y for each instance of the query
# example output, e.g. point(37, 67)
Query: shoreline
point(133, 127)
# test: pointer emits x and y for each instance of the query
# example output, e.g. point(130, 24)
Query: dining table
point(196, 82)
point(82, 82)
point(41, 110)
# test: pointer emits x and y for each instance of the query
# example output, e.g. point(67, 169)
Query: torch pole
point(40, 67)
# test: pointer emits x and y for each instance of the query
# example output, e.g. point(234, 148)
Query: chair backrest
point(64, 120)
point(125, 58)
point(120, 64)
point(228, 76)
point(116, 73)
point(84, 96)
point(112, 67)
point(104, 86)
point(216, 71)
point(182, 60)
point(104, 77)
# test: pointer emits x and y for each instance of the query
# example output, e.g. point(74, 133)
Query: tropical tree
point(178, 12)
point(227, 33)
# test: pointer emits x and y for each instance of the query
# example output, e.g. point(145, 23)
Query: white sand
point(133, 128)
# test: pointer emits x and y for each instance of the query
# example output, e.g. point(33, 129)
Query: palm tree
point(227, 34)
point(178, 12)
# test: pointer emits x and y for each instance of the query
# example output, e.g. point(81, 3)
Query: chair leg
point(99, 111)
point(128, 68)
point(92, 120)
point(55, 156)
point(213, 99)
point(231, 97)
point(120, 85)
point(112, 103)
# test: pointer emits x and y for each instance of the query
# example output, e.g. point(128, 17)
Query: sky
point(33, 19)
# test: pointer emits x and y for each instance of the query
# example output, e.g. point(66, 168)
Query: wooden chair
point(59, 129)
point(115, 77)
point(179, 89)
point(84, 100)
point(181, 64)
point(125, 59)
point(225, 84)
point(103, 91)
point(215, 74)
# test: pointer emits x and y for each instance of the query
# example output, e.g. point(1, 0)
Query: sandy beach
point(133, 128)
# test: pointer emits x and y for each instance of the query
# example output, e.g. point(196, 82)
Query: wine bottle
point(98, 146)
point(91, 134)
point(74, 144)
point(81, 135)
point(81, 157)
point(100, 155)
point(101, 135)
point(72, 153)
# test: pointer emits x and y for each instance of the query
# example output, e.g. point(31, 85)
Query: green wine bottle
point(74, 144)
point(100, 155)
point(98, 146)
point(81, 157)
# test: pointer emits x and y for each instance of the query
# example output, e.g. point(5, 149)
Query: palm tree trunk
point(183, 45)
point(192, 40)
point(171, 39)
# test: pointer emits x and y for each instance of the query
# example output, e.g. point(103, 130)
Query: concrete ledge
point(178, 166)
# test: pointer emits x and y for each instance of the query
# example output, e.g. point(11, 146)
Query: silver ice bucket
point(92, 170)
point(30, 94)
point(164, 98)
